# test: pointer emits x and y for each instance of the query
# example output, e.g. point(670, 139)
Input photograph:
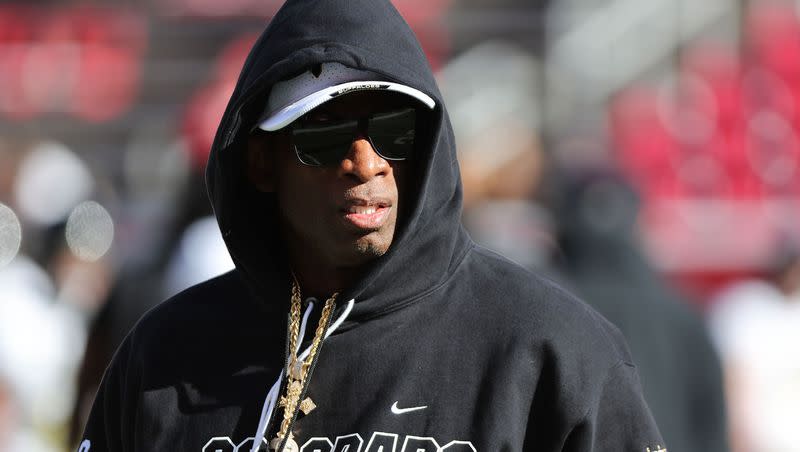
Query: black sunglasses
point(326, 143)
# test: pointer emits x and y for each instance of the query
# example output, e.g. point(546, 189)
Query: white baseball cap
point(290, 99)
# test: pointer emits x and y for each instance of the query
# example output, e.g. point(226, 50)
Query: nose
point(362, 163)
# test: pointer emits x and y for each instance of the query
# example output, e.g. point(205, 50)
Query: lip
point(366, 215)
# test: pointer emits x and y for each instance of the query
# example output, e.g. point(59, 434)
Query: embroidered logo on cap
point(368, 86)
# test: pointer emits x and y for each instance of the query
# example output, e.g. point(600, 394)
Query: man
point(333, 174)
point(679, 369)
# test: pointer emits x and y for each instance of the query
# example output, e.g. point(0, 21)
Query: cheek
point(301, 197)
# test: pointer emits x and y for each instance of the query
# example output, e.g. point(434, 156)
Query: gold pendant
point(295, 387)
point(296, 371)
point(290, 446)
point(307, 405)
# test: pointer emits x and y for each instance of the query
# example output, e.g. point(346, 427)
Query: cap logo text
point(369, 86)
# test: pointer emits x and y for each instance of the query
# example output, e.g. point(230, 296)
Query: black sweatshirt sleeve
point(106, 429)
point(618, 420)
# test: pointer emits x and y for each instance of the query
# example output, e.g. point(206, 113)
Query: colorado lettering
point(378, 442)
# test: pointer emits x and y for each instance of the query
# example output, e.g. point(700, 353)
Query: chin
point(368, 248)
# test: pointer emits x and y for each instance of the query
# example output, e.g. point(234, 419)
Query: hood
point(597, 219)
point(362, 34)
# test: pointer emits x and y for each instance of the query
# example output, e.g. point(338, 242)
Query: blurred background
point(645, 154)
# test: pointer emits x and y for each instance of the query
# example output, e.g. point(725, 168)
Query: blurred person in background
point(7, 414)
point(17, 433)
point(449, 331)
point(50, 284)
point(601, 259)
point(756, 327)
point(491, 91)
point(11, 432)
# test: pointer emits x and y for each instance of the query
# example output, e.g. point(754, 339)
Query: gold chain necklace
point(297, 372)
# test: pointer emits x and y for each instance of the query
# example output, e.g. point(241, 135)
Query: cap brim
point(286, 115)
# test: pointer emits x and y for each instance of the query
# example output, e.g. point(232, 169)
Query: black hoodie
point(447, 347)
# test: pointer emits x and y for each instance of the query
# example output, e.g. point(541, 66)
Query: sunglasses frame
point(362, 128)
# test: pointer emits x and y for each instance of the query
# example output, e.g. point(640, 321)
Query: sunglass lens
point(323, 144)
point(392, 133)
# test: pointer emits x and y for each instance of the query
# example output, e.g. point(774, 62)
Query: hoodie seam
point(356, 54)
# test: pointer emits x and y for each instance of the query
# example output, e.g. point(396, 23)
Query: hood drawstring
point(273, 394)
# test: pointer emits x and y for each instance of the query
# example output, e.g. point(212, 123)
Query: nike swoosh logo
point(397, 410)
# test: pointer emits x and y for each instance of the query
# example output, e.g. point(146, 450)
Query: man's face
point(345, 213)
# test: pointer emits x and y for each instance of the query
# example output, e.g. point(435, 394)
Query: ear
point(260, 162)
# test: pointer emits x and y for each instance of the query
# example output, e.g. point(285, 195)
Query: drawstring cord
point(273, 394)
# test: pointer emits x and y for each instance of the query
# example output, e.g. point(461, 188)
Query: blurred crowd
point(658, 179)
